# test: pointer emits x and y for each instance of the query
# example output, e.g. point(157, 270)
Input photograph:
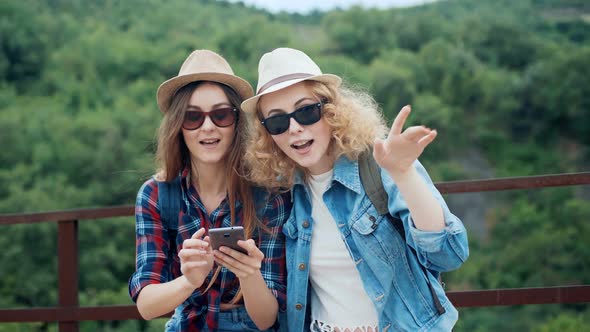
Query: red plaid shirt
point(152, 245)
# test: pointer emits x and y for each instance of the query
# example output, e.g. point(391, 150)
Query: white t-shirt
point(338, 299)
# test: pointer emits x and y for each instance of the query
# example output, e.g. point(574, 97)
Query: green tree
point(359, 33)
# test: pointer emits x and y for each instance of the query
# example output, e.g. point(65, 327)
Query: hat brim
point(249, 105)
point(167, 89)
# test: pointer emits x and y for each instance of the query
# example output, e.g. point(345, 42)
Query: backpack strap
point(370, 174)
point(169, 195)
point(169, 202)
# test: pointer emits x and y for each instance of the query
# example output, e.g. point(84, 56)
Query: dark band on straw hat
point(283, 78)
point(274, 74)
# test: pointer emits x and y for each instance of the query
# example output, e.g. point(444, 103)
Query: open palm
point(400, 149)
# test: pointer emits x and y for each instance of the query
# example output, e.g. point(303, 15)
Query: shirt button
point(305, 224)
point(298, 306)
point(372, 218)
point(301, 266)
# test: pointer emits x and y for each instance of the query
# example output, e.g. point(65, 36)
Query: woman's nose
point(207, 123)
point(294, 126)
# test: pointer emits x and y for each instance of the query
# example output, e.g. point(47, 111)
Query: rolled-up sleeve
point(442, 250)
point(272, 244)
point(151, 263)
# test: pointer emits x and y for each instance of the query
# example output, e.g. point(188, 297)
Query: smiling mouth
point(302, 145)
point(209, 141)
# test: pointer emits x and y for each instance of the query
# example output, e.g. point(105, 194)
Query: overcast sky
point(305, 6)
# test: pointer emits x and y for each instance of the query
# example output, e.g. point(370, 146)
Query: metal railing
point(68, 312)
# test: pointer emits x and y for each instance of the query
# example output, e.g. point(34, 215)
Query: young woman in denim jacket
point(348, 268)
point(200, 148)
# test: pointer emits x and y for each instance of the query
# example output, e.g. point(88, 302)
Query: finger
point(400, 119)
point(253, 261)
point(195, 244)
point(415, 133)
point(249, 246)
point(188, 254)
point(238, 268)
point(230, 262)
point(233, 253)
point(196, 258)
point(194, 264)
point(208, 240)
point(424, 141)
point(239, 273)
point(198, 234)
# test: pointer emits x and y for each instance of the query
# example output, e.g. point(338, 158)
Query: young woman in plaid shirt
point(200, 147)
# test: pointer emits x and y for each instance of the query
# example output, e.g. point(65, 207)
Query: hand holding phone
point(228, 237)
point(244, 264)
point(196, 258)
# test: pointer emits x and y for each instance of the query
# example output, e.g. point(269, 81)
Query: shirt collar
point(299, 177)
point(185, 178)
point(346, 172)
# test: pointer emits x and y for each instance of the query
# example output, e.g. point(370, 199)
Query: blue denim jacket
point(389, 269)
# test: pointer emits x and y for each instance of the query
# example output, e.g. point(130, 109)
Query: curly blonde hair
point(351, 113)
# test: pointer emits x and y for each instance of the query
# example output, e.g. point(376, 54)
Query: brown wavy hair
point(173, 155)
point(352, 115)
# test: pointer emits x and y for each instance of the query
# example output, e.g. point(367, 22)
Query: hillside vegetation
point(505, 83)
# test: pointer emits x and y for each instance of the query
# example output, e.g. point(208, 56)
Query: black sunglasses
point(306, 115)
point(221, 117)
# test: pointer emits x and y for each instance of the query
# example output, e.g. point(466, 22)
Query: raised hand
point(400, 149)
point(196, 258)
point(242, 265)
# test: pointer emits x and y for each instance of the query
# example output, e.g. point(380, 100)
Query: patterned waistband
point(319, 326)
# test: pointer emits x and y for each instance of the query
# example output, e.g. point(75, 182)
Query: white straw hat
point(202, 65)
point(284, 67)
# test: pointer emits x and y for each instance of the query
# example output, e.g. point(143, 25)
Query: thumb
point(378, 148)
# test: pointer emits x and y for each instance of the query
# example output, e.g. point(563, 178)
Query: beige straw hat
point(202, 65)
point(284, 67)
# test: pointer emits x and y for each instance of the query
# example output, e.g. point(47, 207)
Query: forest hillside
point(505, 83)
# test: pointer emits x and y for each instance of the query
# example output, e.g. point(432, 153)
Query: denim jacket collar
point(346, 172)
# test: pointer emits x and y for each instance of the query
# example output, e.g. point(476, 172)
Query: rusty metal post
point(67, 250)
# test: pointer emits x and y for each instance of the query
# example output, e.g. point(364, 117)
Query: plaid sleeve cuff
point(137, 283)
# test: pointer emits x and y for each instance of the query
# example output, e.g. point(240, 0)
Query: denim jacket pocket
point(369, 233)
point(367, 224)
point(290, 228)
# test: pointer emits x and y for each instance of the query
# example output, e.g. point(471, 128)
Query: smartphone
point(227, 236)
